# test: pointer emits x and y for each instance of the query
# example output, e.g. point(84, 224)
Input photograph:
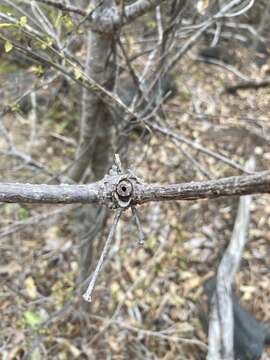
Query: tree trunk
point(96, 123)
point(95, 144)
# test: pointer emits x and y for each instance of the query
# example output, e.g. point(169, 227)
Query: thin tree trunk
point(96, 123)
point(94, 149)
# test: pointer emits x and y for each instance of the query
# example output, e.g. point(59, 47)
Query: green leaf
point(32, 319)
point(77, 73)
point(67, 22)
point(37, 69)
point(22, 213)
point(23, 21)
point(46, 43)
point(151, 24)
point(8, 46)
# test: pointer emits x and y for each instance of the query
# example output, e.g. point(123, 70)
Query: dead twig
point(245, 85)
point(88, 293)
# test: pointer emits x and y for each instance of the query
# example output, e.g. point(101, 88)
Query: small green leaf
point(32, 319)
point(58, 20)
point(14, 107)
point(8, 46)
point(77, 73)
point(46, 43)
point(23, 21)
point(67, 22)
point(151, 24)
point(37, 69)
point(22, 213)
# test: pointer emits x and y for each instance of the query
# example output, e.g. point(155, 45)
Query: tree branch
point(250, 84)
point(63, 7)
point(126, 190)
point(49, 194)
point(101, 23)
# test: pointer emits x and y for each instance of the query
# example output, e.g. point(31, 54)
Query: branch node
point(118, 188)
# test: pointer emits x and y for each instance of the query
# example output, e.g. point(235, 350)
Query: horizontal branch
point(125, 190)
point(49, 194)
point(61, 6)
point(230, 186)
point(104, 24)
point(249, 84)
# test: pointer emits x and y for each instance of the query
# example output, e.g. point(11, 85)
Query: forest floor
point(147, 301)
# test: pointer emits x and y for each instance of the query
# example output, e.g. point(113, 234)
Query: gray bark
point(96, 124)
point(94, 149)
point(104, 192)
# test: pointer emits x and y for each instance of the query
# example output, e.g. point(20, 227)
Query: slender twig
point(249, 84)
point(36, 219)
point(63, 7)
point(88, 293)
point(157, 334)
point(192, 160)
point(205, 26)
point(194, 145)
point(138, 225)
point(225, 66)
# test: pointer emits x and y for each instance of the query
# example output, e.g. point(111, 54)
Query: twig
point(147, 268)
point(36, 219)
point(157, 334)
point(88, 293)
point(225, 66)
point(138, 224)
point(194, 145)
point(223, 12)
point(193, 161)
point(250, 84)
point(63, 7)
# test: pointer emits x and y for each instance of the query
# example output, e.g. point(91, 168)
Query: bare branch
point(49, 194)
point(222, 13)
point(194, 145)
point(88, 293)
point(231, 186)
point(102, 24)
point(84, 80)
point(249, 84)
point(110, 191)
point(63, 7)
point(226, 66)
point(138, 225)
